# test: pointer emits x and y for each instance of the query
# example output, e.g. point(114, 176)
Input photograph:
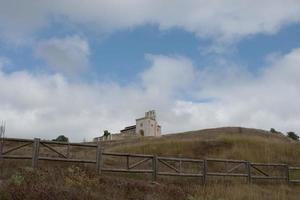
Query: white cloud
point(44, 106)
point(69, 54)
point(269, 100)
point(227, 20)
point(172, 75)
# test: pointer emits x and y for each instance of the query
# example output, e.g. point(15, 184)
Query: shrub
point(293, 135)
point(106, 134)
point(272, 130)
point(61, 138)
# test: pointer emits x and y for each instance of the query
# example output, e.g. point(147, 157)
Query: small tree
point(61, 138)
point(293, 135)
point(106, 134)
point(272, 130)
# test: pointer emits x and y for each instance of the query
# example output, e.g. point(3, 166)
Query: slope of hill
point(65, 181)
point(230, 142)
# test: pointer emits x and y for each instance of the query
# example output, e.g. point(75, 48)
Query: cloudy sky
point(78, 67)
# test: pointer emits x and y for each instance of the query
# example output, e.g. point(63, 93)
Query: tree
point(272, 130)
point(293, 135)
point(106, 134)
point(61, 138)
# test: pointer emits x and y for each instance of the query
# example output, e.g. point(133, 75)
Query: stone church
point(145, 126)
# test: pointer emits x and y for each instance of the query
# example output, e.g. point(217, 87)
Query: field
point(67, 181)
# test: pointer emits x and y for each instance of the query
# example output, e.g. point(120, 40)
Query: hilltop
point(255, 145)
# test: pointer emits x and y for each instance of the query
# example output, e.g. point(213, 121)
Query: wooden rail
point(151, 164)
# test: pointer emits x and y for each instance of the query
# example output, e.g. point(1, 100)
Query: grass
point(225, 143)
point(65, 181)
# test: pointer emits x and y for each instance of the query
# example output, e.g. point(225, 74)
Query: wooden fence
point(149, 164)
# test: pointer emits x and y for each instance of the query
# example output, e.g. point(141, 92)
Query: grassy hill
point(230, 142)
point(65, 181)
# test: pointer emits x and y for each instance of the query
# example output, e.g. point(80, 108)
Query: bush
point(272, 130)
point(61, 138)
point(106, 134)
point(293, 135)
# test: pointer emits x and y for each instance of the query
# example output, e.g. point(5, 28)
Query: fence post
point(1, 148)
point(99, 158)
point(248, 166)
point(154, 167)
point(287, 173)
point(35, 152)
point(204, 172)
point(127, 162)
point(68, 150)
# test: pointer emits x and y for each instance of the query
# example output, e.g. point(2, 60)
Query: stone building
point(148, 126)
point(145, 126)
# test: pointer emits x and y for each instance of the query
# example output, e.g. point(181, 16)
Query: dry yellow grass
point(234, 143)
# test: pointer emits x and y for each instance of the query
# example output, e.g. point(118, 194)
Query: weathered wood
point(154, 168)
point(181, 159)
point(248, 166)
point(54, 150)
point(68, 151)
point(181, 174)
point(127, 171)
point(268, 164)
point(127, 154)
point(259, 170)
point(17, 140)
point(180, 166)
point(139, 163)
point(294, 181)
point(17, 157)
point(1, 148)
point(155, 162)
point(99, 158)
point(294, 168)
point(225, 174)
point(234, 168)
point(67, 160)
point(269, 177)
point(204, 172)
point(226, 160)
point(72, 144)
point(50, 142)
point(287, 174)
point(16, 148)
point(127, 162)
point(35, 152)
point(168, 165)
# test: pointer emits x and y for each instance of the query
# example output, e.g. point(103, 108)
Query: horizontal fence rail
point(147, 164)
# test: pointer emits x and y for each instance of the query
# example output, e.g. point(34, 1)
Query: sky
point(78, 68)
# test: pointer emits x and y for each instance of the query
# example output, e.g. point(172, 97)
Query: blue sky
point(81, 69)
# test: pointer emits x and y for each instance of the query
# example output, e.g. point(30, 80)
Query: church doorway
point(142, 132)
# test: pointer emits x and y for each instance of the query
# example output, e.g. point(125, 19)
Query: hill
point(66, 181)
point(228, 142)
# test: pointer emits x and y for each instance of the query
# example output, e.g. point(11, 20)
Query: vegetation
point(106, 134)
point(66, 181)
point(293, 136)
point(61, 138)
